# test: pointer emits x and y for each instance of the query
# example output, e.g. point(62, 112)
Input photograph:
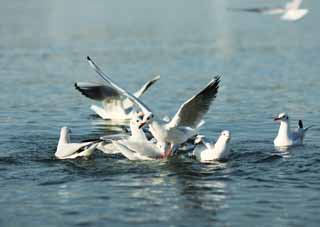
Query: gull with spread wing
point(186, 121)
point(115, 105)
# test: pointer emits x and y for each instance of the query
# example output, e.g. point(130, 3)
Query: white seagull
point(115, 105)
point(137, 146)
point(286, 137)
point(205, 151)
point(107, 146)
point(185, 122)
point(68, 150)
point(290, 12)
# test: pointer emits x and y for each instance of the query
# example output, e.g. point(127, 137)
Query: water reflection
point(204, 187)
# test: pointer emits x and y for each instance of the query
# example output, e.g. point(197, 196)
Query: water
point(267, 66)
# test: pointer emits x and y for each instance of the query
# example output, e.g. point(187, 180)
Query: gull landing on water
point(290, 12)
point(219, 151)
point(115, 105)
point(68, 150)
point(186, 121)
point(285, 136)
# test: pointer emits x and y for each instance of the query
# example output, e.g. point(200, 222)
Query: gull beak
point(142, 124)
point(276, 119)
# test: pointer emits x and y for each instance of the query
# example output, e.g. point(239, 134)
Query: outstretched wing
point(146, 86)
point(192, 111)
point(97, 91)
point(127, 103)
point(293, 4)
point(252, 10)
point(124, 92)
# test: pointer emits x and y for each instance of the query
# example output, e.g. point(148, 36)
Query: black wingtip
point(95, 140)
point(77, 87)
point(300, 124)
point(88, 58)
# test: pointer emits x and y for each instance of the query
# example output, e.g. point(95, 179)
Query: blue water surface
point(266, 65)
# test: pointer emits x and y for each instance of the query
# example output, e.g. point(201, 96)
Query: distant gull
point(290, 12)
point(287, 137)
point(68, 150)
point(115, 105)
point(205, 151)
point(185, 122)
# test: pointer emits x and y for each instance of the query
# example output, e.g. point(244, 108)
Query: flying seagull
point(115, 105)
point(289, 12)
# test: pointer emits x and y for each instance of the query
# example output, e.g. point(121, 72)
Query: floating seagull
point(290, 11)
point(185, 122)
point(115, 105)
point(205, 151)
point(68, 150)
point(137, 146)
point(285, 136)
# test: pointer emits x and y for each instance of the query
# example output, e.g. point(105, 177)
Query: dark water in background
point(267, 66)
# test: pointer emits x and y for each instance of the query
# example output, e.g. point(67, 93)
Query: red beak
point(142, 124)
point(276, 119)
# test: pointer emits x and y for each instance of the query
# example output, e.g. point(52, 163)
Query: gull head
point(282, 117)
point(225, 135)
point(147, 118)
point(136, 119)
point(198, 139)
point(65, 130)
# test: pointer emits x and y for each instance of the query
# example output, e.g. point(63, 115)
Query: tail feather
point(300, 124)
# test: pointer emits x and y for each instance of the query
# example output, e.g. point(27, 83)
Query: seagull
point(115, 105)
point(290, 12)
point(205, 151)
point(286, 137)
point(107, 146)
point(186, 121)
point(137, 146)
point(68, 150)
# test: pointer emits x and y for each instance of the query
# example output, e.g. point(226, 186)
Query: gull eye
point(137, 121)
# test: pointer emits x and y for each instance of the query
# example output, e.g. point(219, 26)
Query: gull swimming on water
point(185, 122)
point(287, 137)
point(68, 150)
point(290, 12)
point(115, 105)
point(137, 146)
point(205, 151)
